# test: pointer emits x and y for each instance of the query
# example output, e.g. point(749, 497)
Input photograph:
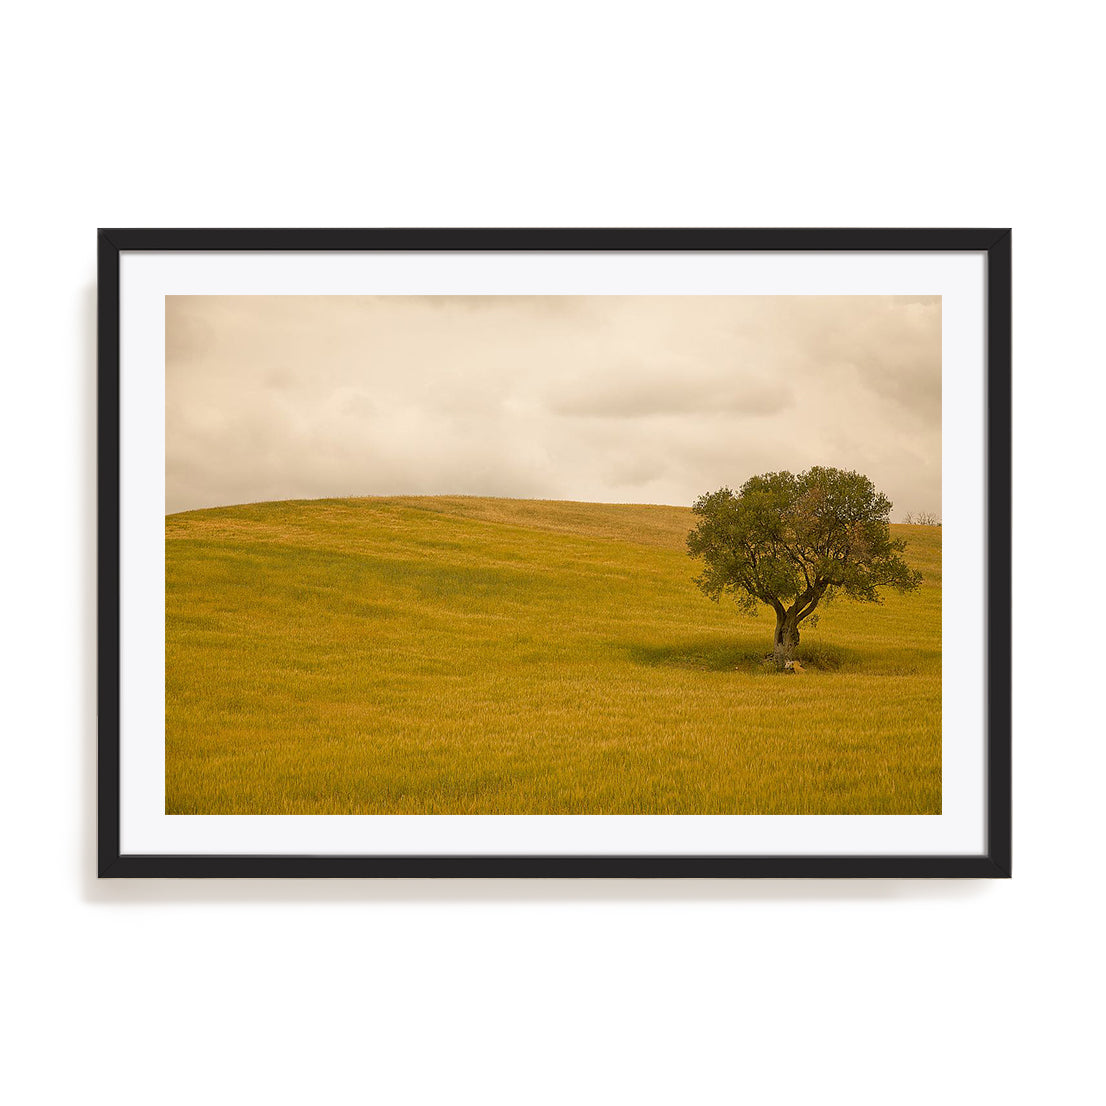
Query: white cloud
point(619, 399)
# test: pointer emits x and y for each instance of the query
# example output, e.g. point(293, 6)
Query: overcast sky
point(618, 399)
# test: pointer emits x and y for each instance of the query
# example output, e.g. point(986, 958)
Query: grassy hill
point(454, 655)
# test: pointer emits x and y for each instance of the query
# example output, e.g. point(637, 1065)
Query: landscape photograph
point(553, 555)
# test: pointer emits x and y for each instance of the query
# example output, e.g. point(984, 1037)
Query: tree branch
point(806, 610)
point(811, 600)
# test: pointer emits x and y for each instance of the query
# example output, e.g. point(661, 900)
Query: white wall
point(567, 114)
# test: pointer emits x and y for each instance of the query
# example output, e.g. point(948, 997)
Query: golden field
point(455, 655)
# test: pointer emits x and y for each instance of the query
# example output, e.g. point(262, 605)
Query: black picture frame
point(995, 244)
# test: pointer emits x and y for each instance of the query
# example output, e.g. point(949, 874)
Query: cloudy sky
point(635, 399)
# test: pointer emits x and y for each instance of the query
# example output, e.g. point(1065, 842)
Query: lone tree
point(792, 542)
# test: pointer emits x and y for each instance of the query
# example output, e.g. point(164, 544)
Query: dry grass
point(456, 655)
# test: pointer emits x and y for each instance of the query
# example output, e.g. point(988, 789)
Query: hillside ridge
point(653, 524)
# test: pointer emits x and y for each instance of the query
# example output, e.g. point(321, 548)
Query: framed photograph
point(558, 553)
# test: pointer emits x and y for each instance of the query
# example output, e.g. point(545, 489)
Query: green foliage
point(794, 541)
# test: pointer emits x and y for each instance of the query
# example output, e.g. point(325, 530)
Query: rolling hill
point(456, 655)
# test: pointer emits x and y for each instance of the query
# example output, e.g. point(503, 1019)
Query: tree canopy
point(792, 542)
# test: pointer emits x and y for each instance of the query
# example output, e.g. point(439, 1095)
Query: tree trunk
point(787, 637)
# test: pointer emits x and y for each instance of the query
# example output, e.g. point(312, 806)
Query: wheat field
point(455, 655)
